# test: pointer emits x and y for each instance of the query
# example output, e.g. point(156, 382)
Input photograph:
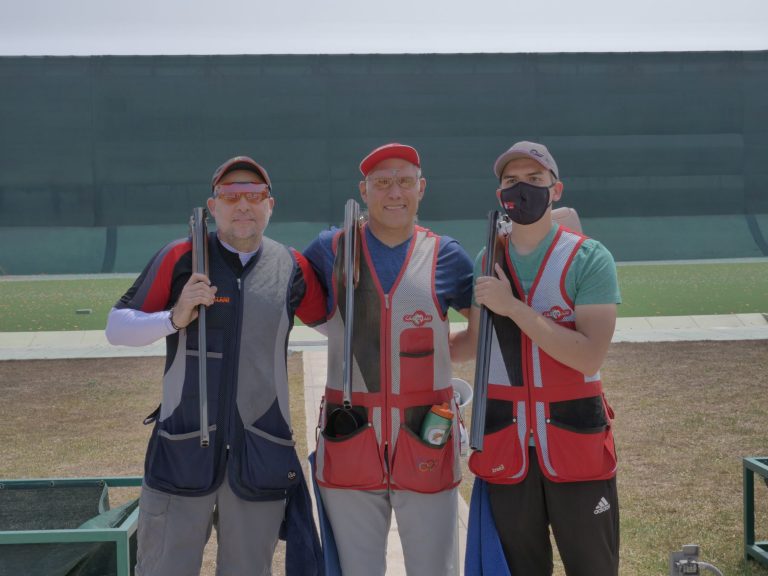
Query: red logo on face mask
point(556, 313)
point(418, 318)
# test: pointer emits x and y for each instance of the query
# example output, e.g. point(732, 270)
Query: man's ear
point(557, 191)
point(211, 203)
point(363, 191)
point(422, 187)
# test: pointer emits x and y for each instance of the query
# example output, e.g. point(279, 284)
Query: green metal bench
point(65, 527)
point(755, 550)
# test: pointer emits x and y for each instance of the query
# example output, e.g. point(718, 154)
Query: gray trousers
point(426, 523)
point(173, 532)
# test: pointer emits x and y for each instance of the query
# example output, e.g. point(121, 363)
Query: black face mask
point(525, 203)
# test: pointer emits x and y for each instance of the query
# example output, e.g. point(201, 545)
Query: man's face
point(525, 170)
point(531, 172)
point(241, 223)
point(392, 191)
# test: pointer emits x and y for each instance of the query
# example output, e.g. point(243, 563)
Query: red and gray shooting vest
point(401, 368)
point(534, 398)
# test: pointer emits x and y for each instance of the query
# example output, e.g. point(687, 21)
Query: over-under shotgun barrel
point(199, 229)
point(480, 397)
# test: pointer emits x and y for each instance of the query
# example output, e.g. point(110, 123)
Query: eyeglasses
point(381, 181)
point(251, 191)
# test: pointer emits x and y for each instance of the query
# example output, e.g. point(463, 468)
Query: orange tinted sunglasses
point(231, 193)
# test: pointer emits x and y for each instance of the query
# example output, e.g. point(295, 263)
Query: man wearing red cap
point(408, 279)
point(548, 452)
point(249, 474)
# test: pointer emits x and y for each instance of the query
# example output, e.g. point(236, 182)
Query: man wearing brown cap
point(247, 476)
point(548, 454)
point(408, 279)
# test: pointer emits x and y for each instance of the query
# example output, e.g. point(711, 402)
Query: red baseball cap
point(240, 163)
point(392, 150)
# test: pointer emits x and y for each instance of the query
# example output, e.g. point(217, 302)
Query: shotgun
point(484, 339)
point(198, 225)
point(344, 420)
point(351, 239)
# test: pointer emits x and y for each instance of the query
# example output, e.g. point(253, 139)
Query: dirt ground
point(83, 418)
point(686, 415)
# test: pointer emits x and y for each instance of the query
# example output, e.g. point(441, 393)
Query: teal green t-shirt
point(591, 279)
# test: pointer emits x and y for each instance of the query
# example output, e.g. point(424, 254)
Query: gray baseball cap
point(530, 150)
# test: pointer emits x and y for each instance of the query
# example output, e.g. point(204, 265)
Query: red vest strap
point(568, 392)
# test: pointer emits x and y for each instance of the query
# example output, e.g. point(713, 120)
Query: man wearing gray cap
point(247, 481)
point(548, 453)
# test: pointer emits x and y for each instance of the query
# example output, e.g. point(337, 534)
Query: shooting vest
point(248, 414)
point(401, 368)
point(533, 396)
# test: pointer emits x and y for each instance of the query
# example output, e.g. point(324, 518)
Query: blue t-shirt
point(453, 277)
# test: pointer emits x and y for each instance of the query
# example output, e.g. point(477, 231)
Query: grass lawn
point(673, 289)
point(690, 289)
point(42, 304)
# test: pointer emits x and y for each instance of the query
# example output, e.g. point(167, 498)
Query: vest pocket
point(351, 461)
point(268, 462)
point(580, 454)
point(178, 464)
point(580, 414)
point(422, 467)
point(417, 360)
point(502, 455)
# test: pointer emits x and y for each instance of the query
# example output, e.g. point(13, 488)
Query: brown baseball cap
point(239, 163)
point(530, 150)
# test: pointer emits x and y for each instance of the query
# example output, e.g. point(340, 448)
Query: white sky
point(90, 27)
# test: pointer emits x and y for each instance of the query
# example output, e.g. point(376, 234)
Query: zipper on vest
point(230, 388)
point(387, 385)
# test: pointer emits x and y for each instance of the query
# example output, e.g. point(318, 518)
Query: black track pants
point(584, 517)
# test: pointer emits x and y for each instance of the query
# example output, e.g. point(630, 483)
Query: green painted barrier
point(65, 527)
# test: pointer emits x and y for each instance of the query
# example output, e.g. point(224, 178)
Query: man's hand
point(196, 291)
point(495, 293)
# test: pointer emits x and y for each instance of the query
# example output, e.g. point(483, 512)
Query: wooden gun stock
point(199, 231)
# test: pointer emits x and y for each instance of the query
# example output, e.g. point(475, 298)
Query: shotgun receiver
point(198, 226)
point(484, 338)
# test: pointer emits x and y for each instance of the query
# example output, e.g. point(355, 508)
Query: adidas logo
point(602, 506)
